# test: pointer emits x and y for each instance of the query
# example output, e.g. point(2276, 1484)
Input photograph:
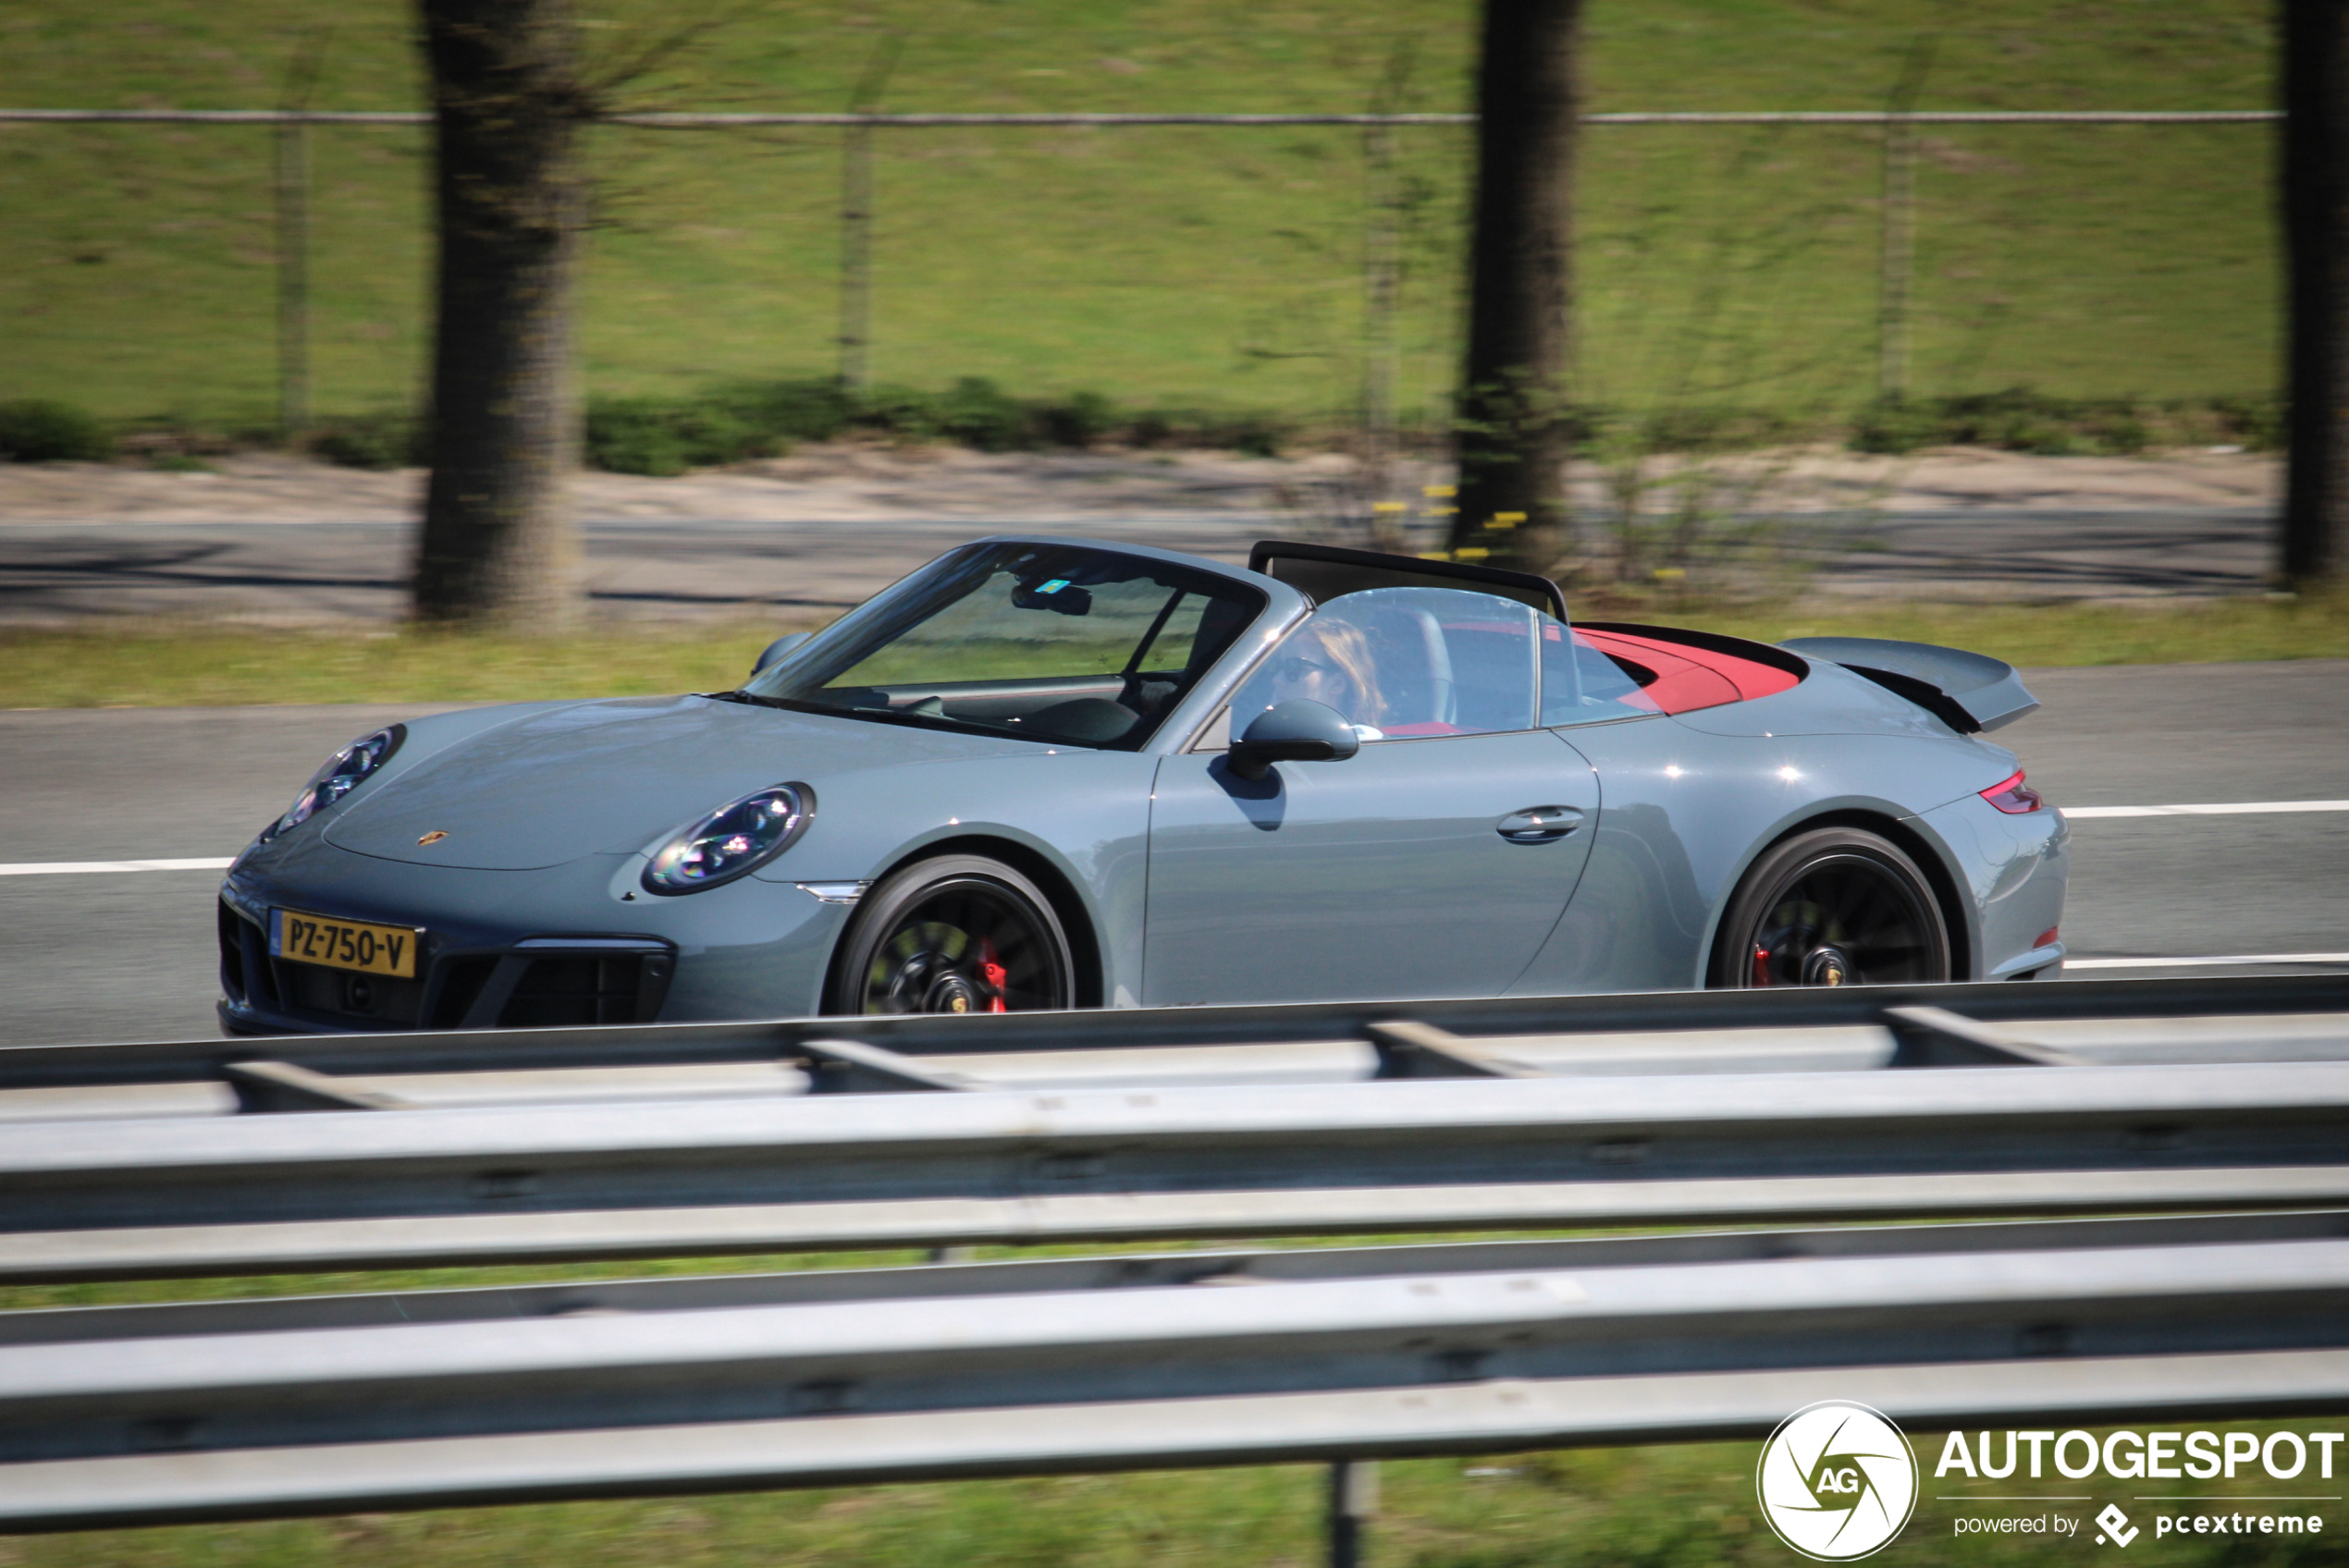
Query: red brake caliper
point(995, 975)
point(1761, 966)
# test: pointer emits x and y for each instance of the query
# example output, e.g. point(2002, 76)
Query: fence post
point(1353, 1502)
point(1379, 278)
point(1897, 263)
point(857, 221)
point(856, 255)
point(1381, 283)
point(1899, 259)
point(293, 243)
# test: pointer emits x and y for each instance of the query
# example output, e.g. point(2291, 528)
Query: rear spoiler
point(1967, 691)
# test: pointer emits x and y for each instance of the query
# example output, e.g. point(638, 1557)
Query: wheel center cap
point(951, 993)
point(1825, 966)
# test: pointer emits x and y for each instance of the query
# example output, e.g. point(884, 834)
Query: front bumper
point(561, 947)
point(537, 982)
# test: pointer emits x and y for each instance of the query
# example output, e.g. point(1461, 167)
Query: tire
point(957, 934)
point(1835, 906)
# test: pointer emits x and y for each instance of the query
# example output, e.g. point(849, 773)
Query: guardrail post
point(1353, 1499)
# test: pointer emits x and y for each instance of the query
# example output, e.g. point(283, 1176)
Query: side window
point(1580, 684)
point(1402, 663)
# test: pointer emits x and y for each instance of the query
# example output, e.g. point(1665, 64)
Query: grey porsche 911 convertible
point(1050, 773)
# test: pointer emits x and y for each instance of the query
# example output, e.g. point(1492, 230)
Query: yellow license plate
point(344, 944)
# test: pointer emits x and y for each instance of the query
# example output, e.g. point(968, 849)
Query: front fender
point(1083, 813)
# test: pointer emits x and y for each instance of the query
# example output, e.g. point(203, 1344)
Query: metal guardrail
point(261, 1409)
point(2244, 1018)
point(226, 1195)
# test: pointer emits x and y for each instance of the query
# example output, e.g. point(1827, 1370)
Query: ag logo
point(1836, 1481)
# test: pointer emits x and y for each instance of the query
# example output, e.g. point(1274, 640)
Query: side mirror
point(1297, 730)
point(776, 649)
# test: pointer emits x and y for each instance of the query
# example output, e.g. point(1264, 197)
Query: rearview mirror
point(1057, 594)
point(776, 649)
point(1297, 730)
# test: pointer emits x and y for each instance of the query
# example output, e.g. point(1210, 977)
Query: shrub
point(1893, 425)
point(663, 438)
point(897, 410)
point(1256, 435)
point(1081, 419)
point(1151, 427)
point(1712, 427)
point(781, 412)
point(40, 430)
point(633, 435)
point(371, 441)
point(2016, 420)
point(2256, 422)
point(979, 413)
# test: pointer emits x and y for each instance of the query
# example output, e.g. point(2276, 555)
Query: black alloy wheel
point(1836, 906)
point(959, 934)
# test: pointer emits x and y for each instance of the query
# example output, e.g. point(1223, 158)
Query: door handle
point(1539, 825)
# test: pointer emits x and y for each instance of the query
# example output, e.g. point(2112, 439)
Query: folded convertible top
point(1967, 692)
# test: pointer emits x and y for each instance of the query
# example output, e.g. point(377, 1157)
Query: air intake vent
point(556, 990)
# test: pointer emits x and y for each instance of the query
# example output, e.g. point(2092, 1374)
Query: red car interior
point(1681, 677)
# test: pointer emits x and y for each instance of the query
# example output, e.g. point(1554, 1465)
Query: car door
point(1434, 862)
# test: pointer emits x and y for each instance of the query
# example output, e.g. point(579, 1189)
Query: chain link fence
point(1391, 202)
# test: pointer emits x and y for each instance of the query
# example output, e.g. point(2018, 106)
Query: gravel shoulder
point(267, 538)
point(848, 482)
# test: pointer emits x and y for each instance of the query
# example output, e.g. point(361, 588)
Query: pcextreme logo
point(1836, 1481)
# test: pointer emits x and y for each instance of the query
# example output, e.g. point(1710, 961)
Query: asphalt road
point(131, 956)
point(670, 567)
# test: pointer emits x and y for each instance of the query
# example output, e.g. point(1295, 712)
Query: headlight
point(343, 772)
point(732, 842)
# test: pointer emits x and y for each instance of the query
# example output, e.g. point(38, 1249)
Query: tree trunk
point(499, 547)
point(2315, 215)
point(1514, 433)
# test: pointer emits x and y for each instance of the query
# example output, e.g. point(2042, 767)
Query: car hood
point(612, 777)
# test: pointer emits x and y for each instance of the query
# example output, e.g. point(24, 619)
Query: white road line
point(88, 867)
point(2072, 963)
point(2229, 808)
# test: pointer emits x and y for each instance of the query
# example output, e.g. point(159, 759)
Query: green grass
point(214, 666)
point(200, 666)
point(1185, 266)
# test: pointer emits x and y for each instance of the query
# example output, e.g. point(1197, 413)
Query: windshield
point(1048, 641)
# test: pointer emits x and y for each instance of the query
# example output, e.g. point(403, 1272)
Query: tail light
point(2014, 797)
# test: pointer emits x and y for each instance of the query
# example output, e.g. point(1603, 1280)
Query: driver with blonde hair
point(1330, 662)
